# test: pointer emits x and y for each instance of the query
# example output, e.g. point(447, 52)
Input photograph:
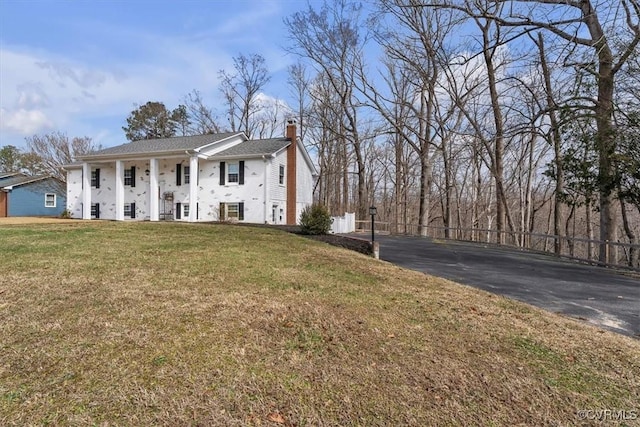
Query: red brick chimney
point(292, 155)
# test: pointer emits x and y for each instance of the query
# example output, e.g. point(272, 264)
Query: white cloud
point(24, 122)
point(42, 91)
point(90, 90)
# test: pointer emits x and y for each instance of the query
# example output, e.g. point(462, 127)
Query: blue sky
point(80, 66)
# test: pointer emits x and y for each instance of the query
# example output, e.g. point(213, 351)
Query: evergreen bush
point(315, 219)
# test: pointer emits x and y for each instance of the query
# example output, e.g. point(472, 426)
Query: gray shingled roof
point(7, 174)
point(259, 147)
point(177, 143)
point(20, 179)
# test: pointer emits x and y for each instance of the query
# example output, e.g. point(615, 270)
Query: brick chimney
point(292, 155)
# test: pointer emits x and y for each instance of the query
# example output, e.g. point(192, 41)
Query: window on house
point(128, 177)
point(95, 210)
point(281, 176)
point(233, 211)
point(127, 210)
point(233, 173)
point(185, 210)
point(95, 178)
point(50, 200)
point(187, 174)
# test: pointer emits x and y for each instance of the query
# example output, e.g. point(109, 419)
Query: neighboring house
point(23, 195)
point(214, 177)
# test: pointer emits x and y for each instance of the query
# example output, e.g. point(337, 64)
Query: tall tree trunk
point(588, 210)
point(425, 187)
point(557, 148)
point(633, 239)
point(447, 194)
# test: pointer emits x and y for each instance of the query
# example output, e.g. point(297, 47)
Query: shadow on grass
point(354, 244)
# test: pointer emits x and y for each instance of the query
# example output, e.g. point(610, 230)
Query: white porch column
point(86, 190)
point(267, 203)
point(154, 214)
point(119, 190)
point(193, 188)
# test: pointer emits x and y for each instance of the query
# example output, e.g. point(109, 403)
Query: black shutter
point(241, 211)
point(178, 210)
point(133, 176)
point(197, 209)
point(241, 172)
point(222, 173)
point(133, 210)
point(97, 178)
point(179, 174)
point(97, 208)
point(221, 216)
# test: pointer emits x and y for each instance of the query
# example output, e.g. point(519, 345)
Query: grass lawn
point(105, 323)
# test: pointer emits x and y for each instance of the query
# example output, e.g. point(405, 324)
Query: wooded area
point(506, 117)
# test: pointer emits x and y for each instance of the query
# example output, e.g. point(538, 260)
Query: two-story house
point(213, 177)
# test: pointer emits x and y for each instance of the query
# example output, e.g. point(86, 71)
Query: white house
point(221, 176)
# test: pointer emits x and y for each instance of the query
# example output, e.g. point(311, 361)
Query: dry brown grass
point(177, 324)
point(26, 220)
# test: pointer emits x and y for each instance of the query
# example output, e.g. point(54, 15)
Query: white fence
point(343, 224)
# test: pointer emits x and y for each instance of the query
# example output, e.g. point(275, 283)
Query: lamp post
point(373, 211)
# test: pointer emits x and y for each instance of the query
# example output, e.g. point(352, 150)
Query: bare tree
point(300, 85)
point(53, 150)
point(241, 89)
point(330, 38)
point(589, 37)
point(202, 118)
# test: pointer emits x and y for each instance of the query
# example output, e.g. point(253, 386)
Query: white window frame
point(94, 178)
point(128, 179)
point(229, 210)
point(127, 210)
point(237, 173)
point(47, 203)
point(185, 210)
point(281, 175)
point(186, 175)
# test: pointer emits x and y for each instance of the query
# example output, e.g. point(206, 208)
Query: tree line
point(515, 117)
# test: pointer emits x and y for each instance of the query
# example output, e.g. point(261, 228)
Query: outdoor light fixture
point(373, 212)
point(146, 172)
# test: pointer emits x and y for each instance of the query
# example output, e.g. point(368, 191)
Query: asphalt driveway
point(598, 295)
